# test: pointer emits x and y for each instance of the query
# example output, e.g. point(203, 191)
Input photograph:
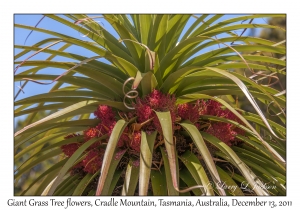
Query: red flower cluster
point(69, 149)
point(93, 161)
point(91, 133)
point(224, 131)
point(124, 139)
point(155, 101)
point(145, 112)
point(105, 113)
point(135, 142)
point(190, 111)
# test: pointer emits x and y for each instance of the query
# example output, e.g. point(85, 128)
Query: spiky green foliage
point(159, 54)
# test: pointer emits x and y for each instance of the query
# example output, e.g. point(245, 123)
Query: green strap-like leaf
point(171, 187)
point(134, 49)
point(175, 36)
point(69, 189)
point(114, 181)
point(46, 190)
point(197, 171)
point(229, 184)
point(158, 182)
point(83, 184)
point(110, 181)
point(243, 18)
point(257, 147)
point(111, 84)
point(200, 144)
point(109, 153)
point(131, 178)
point(166, 125)
point(147, 144)
point(194, 25)
point(158, 36)
point(109, 42)
point(205, 25)
point(259, 160)
point(243, 168)
point(173, 23)
point(256, 119)
point(245, 39)
point(235, 27)
point(101, 66)
point(57, 114)
point(44, 140)
point(148, 83)
point(145, 27)
point(41, 109)
point(262, 173)
point(188, 179)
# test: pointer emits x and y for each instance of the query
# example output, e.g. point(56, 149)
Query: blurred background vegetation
point(276, 36)
point(30, 175)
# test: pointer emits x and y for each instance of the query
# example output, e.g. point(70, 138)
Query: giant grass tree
point(155, 112)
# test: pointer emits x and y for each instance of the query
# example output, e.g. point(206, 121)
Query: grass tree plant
point(154, 112)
